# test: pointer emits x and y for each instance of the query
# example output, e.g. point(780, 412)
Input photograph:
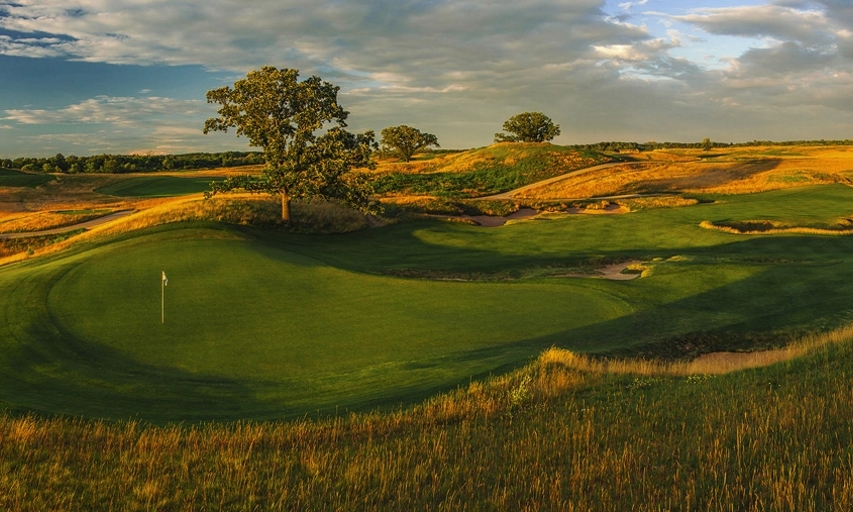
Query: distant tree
point(707, 145)
point(280, 114)
point(405, 141)
point(528, 127)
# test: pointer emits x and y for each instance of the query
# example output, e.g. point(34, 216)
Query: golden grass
point(39, 221)
point(709, 364)
point(523, 441)
point(775, 230)
point(647, 203)
point(722, 171)
point(243, 209)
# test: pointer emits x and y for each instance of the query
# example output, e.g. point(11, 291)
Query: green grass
point(10, 178)
point(776, 438)
point(263, 324)
point(157, 186)
point(254, 330)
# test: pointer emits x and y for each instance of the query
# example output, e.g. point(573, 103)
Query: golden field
point(720, 171)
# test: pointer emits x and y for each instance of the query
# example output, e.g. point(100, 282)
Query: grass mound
point(483, 171)
point(264, 323)
point(563, 433)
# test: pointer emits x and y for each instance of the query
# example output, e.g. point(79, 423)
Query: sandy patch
point(612, 272)
point(724, 362)
point(610, 209)
point(490, 221)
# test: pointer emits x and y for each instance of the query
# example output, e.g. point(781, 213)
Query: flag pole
point(163, 298)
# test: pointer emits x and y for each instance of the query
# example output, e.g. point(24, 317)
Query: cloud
point(459, 68)
point(104, 109)
point(771, 21)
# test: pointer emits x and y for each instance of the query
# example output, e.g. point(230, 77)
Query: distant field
point(158, 186)
point(722, 171)
point(263, 324)
point(10, 178)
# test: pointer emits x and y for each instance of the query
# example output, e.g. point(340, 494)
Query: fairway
point(10, 178)
point(263, 324)
point(158, 186)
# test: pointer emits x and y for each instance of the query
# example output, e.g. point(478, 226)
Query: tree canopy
point(405, 141)
point(528, 127)
point(280, 115)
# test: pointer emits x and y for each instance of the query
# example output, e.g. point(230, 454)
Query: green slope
point(262, 324)
point(157, 186)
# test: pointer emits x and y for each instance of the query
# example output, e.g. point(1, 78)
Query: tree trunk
point(285, 207)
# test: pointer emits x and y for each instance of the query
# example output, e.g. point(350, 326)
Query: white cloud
point(104, 109)
point(459, 68)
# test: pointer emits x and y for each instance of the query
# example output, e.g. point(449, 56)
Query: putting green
point(266, 332)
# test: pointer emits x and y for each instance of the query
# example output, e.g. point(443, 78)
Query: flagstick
point(162, 300)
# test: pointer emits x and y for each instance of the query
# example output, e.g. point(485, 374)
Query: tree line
point(117, 164)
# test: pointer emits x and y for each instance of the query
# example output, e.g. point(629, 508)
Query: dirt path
point(83, 225)
point(511, 193)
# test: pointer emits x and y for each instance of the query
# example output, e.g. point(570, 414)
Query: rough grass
point(564, 433)
point(721, 171)
point(767, 227)
point(39, 221)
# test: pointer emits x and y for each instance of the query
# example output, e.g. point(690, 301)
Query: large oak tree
point(528, 127)
point(405, 141)
point(282, 116)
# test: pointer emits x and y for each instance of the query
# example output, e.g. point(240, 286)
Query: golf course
point(418, 337)
point(264, 324)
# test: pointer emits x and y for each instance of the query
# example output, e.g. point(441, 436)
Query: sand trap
point(724, 362)
point(612, 272)
point(610, 209)
point(490, 221)
point(493, 221)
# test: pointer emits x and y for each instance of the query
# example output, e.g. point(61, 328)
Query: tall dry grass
point(772, 228)
point(243, 209)
point(566, 433)
point(721, 172)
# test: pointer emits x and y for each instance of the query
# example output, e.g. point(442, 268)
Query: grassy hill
point(554, 436)
point(484, 171)
point(430, 365)
point(267, 324)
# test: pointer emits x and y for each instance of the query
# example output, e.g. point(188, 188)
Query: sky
point(129, 76)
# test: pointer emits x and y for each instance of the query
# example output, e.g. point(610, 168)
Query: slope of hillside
point(482, 171)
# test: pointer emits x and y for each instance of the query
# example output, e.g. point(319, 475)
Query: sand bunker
point(725, 362)
point(612, 272)
point(491, 221)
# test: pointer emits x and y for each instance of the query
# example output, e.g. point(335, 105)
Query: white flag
point(165, 280)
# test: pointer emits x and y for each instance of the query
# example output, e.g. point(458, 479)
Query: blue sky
point(93, 76)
